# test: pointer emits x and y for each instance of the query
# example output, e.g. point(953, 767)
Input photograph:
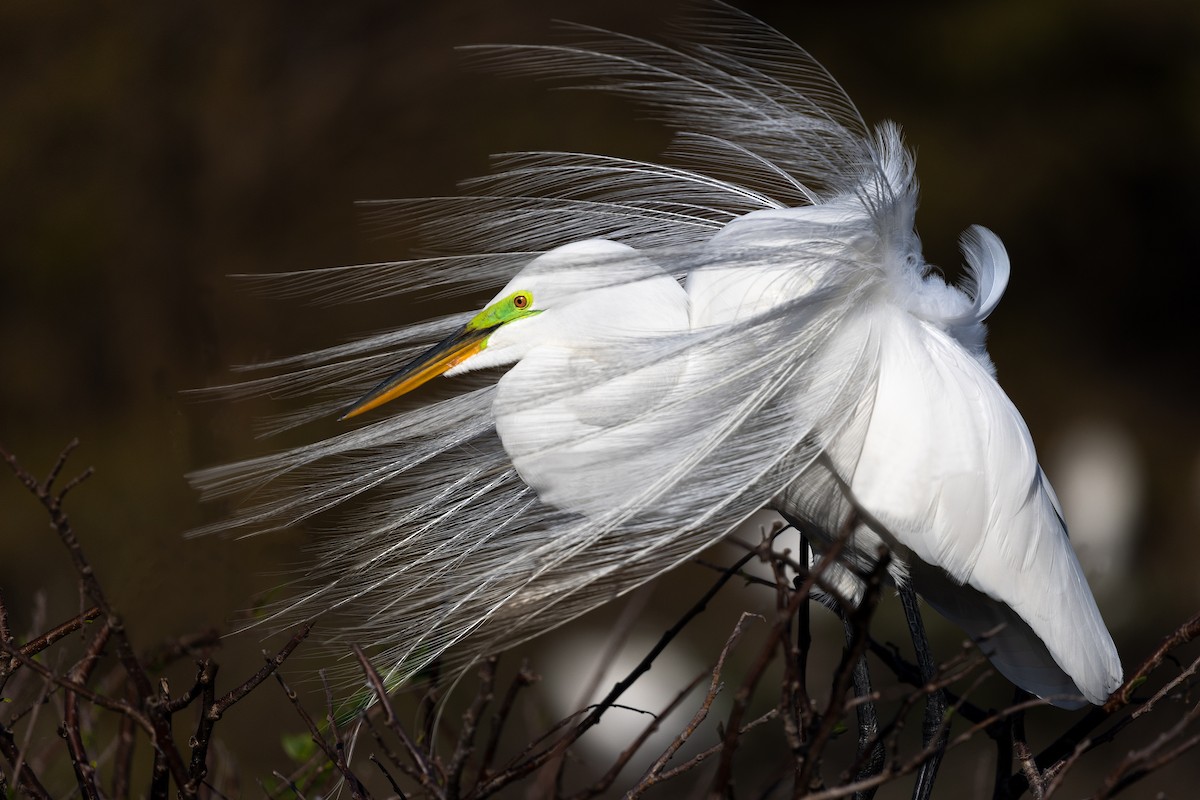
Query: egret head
point(568, 283)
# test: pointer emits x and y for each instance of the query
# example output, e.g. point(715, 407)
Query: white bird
point(814, 364)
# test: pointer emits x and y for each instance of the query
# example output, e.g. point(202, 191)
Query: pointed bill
point(448, 353)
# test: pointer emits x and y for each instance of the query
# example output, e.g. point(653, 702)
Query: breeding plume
point(752, 326)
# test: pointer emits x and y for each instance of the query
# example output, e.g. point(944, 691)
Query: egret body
point(684, 350)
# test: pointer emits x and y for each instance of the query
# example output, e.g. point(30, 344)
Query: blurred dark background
point(149, 150)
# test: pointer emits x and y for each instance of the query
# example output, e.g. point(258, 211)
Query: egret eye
point(521, 301)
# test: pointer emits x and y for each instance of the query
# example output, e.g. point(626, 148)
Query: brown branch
point(697, 759)
point(466, 737)
point(27, 782)
point(949, 672)
point(550, 775)
point(654, 774)
point(625, 756)
point(795, 704)
point(1024, 755)
point(6, 634)
point(52, 502)
point(85, 773)
point(894, 769)
point(1140, 763)
point(742, 697)
point(291, 784)
point(394, 758)
point(909, 673)
point(273, 663)
point(339, 743)
point(205, 672)
point(356, 789)
point(508, 774)
point(525, 765)
point(7, 665)
point(40, 643)
point(205, 686)
point(123, 762)
point(1057, 774)
point(118, 706)
point(1065, 745)
point(1182, 635)
point(751, 580)
point(424, 771)
point(1171, 685)
point(523, 679)
point(160, 773)
point(392, 781)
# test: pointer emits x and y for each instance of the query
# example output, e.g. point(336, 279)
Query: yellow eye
point(521, 300)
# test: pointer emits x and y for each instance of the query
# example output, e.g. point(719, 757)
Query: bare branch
point(40, 643)
point(357, 790)
point(526, 765)
point(1140, 763)
point(712, 751)
point(523, 679)
point(654, 774)
point(273, 663)
point(424, 771)
point(85, 772)
point(466, 737)
point(159, 722)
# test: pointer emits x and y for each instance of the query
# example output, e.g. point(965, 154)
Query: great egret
point(814, 364)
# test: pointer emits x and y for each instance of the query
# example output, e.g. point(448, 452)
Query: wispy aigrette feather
point(809, 350)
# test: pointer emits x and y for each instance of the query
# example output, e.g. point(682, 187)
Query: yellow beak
point(448, 353)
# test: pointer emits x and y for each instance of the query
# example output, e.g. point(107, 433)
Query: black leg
point(870, 747)
point(934, 731)
point(803, 617)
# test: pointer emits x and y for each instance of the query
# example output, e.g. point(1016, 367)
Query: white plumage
point(810, 361)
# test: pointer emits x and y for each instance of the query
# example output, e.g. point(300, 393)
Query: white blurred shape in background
point(570, 677)
point(1099, 474)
